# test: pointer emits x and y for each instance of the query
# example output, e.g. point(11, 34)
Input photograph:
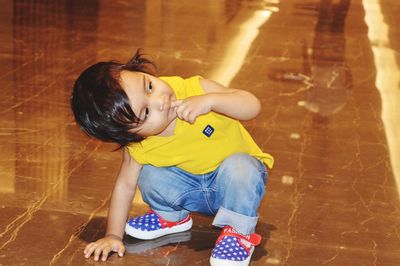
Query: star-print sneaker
point(151, 226)
point(233, 249)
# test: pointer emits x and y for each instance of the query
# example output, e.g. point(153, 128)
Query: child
point(183, 147)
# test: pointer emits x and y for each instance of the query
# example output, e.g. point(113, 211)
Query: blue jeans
point(232, 192)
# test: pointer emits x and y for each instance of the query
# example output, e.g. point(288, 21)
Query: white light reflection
point(387, 80)
point(238, 47)
point(287, 180)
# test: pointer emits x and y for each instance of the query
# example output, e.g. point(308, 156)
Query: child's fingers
point(182, 111)
point(176, 103)
point(185, 116)
point(97, 252)
point(106, 251)
point(121, 251)
point(186, 113)
point(89, 249)
point(192, 118)
point(179, 112)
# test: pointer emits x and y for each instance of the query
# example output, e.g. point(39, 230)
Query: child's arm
point(237, 104)
point(121, 200)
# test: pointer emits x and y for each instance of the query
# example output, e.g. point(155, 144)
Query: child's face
point(150, 100)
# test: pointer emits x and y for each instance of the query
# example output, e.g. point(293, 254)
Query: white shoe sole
point(147, 235)
point(219, 262)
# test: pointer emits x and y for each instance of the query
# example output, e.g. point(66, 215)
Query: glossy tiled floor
point(326, 71)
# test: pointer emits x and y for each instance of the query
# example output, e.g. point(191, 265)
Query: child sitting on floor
point(185, 149)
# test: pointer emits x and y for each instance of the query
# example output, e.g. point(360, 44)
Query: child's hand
point(103, 247)
point(190, 108)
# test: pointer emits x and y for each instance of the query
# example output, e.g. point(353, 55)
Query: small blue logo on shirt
point(208, 131)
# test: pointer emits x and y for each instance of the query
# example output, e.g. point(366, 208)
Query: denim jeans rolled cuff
point(172, 216)
point(243, 224)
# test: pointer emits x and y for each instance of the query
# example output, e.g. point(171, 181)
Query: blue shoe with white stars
point(151, 226)
point(233, 248)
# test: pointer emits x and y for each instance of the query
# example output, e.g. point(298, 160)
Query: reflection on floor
point(326, 71)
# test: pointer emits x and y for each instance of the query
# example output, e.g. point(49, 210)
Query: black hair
point(100, 105)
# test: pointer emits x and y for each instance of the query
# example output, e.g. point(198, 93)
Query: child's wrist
point(114, 236)
point(211, 99)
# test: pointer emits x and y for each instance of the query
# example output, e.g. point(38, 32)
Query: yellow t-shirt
point(201, 147)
